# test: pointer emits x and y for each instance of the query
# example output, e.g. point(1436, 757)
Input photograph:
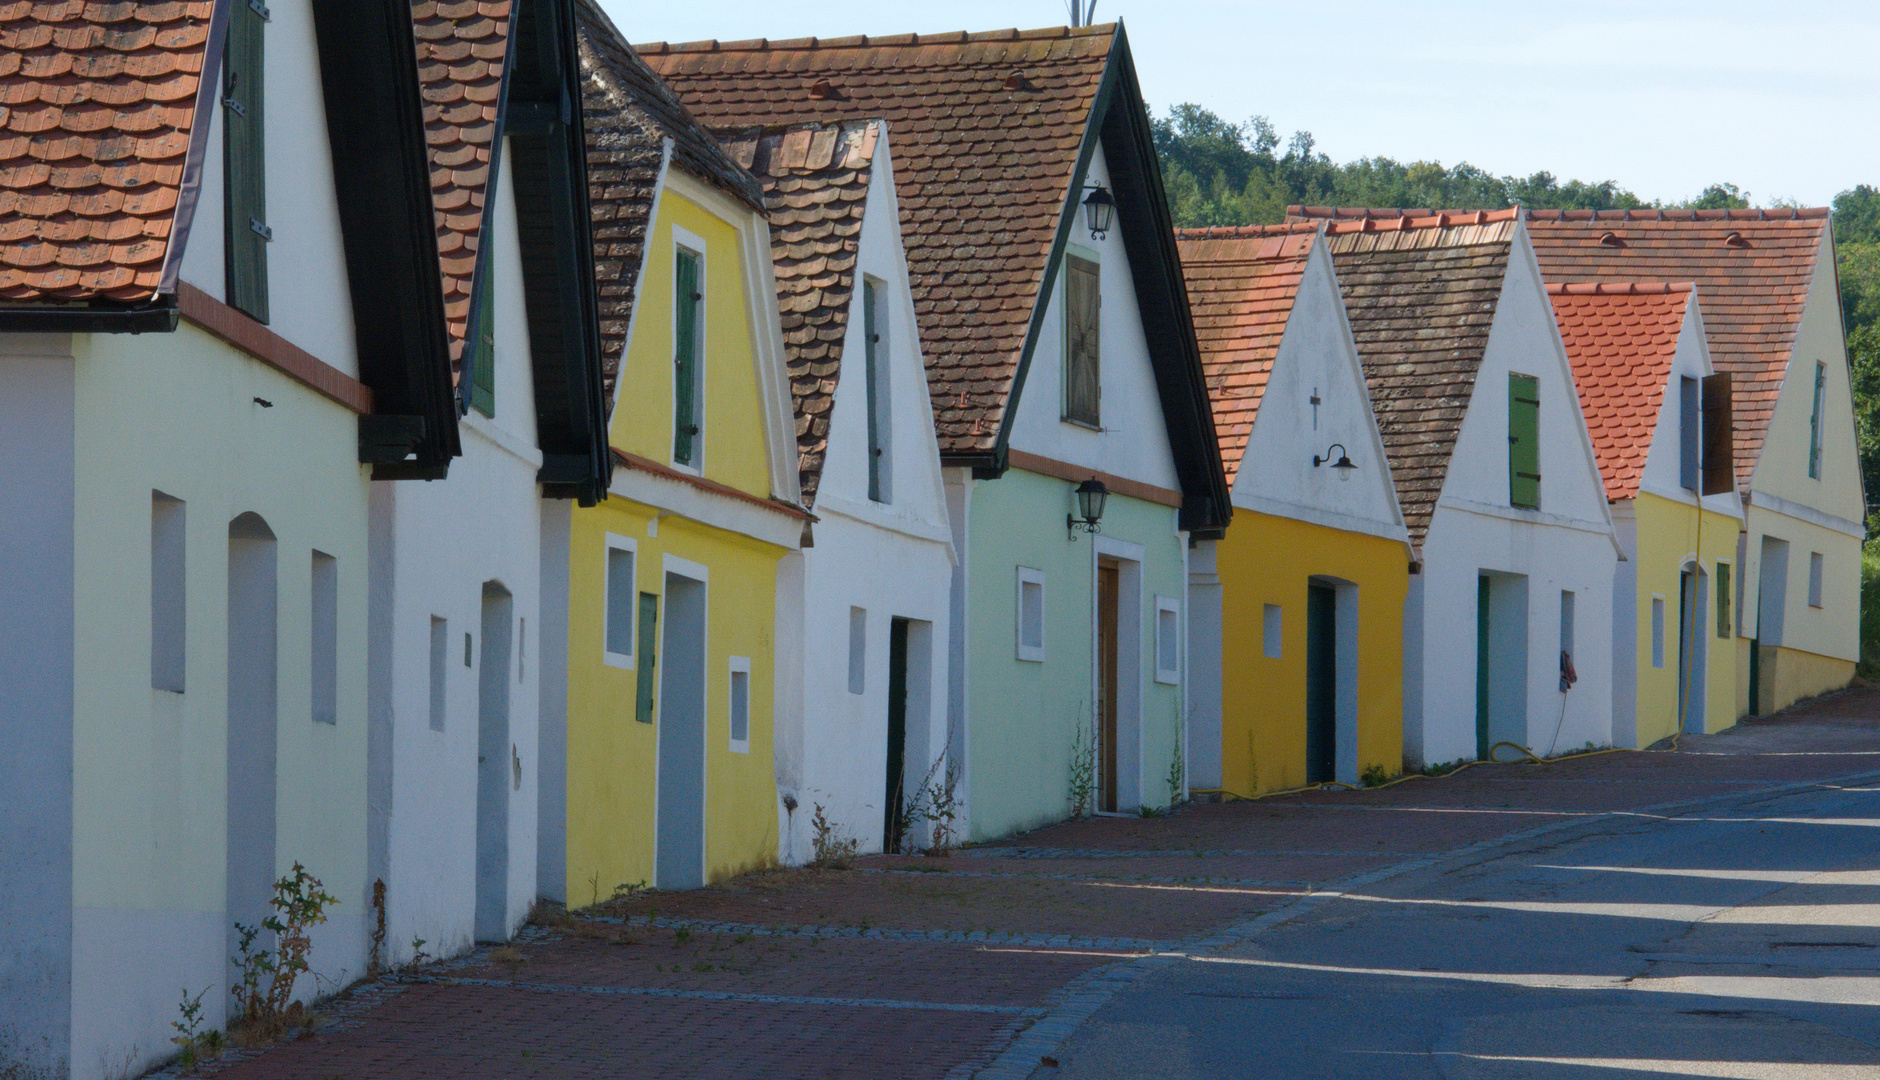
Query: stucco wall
point(1272, 560)
point(310, 303)
point(1669, 538)
point(149, 811)
point(893, 559)
point(1566, 545)
point(612, 758)
point(437, 568)
point(1133, 442)
point(1023, 716)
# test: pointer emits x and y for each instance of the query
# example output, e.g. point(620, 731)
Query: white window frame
point(1173, 607)
point(615, 542)
point(740, 665)
point(694, 243)
point(1033, 654)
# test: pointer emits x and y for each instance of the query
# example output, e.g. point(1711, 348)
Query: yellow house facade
point(667, 775)
point(1296, 634)
point(1660, 418)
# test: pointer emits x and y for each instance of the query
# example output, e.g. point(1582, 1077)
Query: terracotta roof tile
point(460, 105)
point(628, 113)
point(1420, 301)
point(982, 171)
point(87, 207)
point(1241, 285)
point(815, 179)
point(1754, 268)
point(1622, 338)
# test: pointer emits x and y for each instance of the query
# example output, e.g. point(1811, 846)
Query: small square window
point(1030, 614)
point(1270, 631)
point(1168, 640)
point(740, 701)
point(617, 651)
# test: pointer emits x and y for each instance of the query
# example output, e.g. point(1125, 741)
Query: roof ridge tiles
point(1618, 288)
point(1243, 232)
point(858, 41)
point(1392, 213)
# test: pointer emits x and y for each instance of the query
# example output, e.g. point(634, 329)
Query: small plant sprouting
point(419, 957)
point(1177, 778)
point(1145, 810)
point(681, 936)
point(1083, 770)
point(935, 802)
point(266, 989)
point(833, 851)
point(1374, 775)
point(195, 1044)
point(629, 891)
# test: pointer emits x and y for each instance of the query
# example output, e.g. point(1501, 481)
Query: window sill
point(1085, 424)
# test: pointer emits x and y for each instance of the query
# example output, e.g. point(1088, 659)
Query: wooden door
point(897, 737)
point(1483, 596)
point(1109, 594)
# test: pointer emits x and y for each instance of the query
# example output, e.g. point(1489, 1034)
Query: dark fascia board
point(1119, 121)
point(158, 318)
point(381, 173)
point(548, 164)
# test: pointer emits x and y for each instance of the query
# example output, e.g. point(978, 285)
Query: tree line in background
point(1223, 173)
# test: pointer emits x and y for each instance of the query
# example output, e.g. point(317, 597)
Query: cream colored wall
point(1782, 470)
point(1832, 630)
point(735, 449)
point(177, 413)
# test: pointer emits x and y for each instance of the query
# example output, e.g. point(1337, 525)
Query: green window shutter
point(1524, 441)
point(871, 338)
point(1814, 423)
point(244, 173)
point(649, 627)
point(1083, 306)
point(480, 356)
point(685, 360)
point(1724, 624)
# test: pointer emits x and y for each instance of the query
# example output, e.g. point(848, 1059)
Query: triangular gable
point(1622, 340)
point(1289, 391)
point(1421, 295)
point(1026, 110)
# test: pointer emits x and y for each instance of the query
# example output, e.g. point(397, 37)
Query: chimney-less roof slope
point(463, 48)
point(815, 179)
point(1753, 267)
point(1420, 295)
point(628, 113)
point(98, 107)
point(1241, 286)
point(987, 129)
point(1622, 340)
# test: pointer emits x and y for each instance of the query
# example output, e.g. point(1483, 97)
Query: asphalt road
point(1740, 942)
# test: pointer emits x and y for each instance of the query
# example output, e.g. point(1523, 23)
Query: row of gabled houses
point(484, 462)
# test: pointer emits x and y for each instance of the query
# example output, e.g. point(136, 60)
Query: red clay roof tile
point(1621, 338)
point(982, 171)
point(76, 82)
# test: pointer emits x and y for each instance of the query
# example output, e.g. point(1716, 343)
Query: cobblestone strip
point(948, 937)
point(1024, 875)
point(1083, 996)
point(726, 995)
point(1137, 853)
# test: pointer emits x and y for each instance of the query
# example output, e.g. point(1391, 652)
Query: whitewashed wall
point(309, 301)
point(436, 544)
point(894, 560)
point(1133, 442)
point(1568, 544)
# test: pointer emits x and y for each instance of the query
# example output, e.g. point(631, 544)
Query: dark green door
point(1321, 684)
point(1481, 666)
point(897, 735)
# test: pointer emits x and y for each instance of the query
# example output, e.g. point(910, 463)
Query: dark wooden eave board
point(381, 173)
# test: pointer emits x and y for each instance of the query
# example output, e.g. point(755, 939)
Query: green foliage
point(1718, 197)
point(1374, 775)
point(1222, 173)
point(1863, 354)
point(1870, 608)
point(1858, 264)
point(1857, 216)
point(266, 988)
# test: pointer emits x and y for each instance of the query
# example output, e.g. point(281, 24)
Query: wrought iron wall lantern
point(1099, 211)
point(1344, 465)
point(1091, 495)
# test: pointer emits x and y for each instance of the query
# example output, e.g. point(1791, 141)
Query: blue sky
point(1665, 97)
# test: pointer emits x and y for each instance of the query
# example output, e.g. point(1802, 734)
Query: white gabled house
point(1507, 624)
point(864, 609)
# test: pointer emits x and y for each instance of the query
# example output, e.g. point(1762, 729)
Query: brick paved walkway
point(908, 967)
